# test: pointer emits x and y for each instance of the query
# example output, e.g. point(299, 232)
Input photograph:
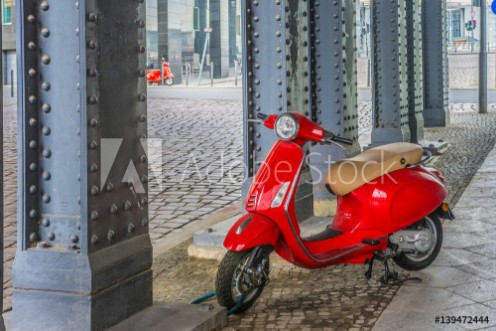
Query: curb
point(180, 235)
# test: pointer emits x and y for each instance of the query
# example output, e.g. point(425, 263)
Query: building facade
point(8, 40)
point(177, 32)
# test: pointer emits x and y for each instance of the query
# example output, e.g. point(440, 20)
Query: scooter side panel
point(398, 199)
point(251, 230)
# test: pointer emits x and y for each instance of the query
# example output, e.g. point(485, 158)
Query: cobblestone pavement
point(335, 298)
point(201, 171)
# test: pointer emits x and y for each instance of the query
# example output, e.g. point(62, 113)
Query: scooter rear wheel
point(233, 282)
point(411, 261)
point(169, 81)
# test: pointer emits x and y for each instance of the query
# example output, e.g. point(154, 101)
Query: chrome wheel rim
point(242, 285)
point(429, 225)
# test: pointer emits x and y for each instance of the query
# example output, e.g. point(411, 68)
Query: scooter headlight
point(287, 126)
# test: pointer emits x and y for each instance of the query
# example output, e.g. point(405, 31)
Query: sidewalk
point(462, 280)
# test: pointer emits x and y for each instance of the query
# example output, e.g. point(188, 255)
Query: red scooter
point(153, 76)
point(388, 206)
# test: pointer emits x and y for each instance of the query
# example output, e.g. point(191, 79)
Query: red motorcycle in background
point(153, 75)
point(388, 206)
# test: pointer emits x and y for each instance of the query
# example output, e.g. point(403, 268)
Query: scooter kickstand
point(389, 274)
point(370, 262)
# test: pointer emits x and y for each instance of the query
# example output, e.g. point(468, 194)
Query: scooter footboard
point(251, 230)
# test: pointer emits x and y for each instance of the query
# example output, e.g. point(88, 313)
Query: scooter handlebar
point(331, 137)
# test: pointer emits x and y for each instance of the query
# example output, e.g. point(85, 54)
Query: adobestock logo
point(152, 149)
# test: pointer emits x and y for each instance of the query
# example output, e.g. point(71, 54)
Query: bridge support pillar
point(84, 254)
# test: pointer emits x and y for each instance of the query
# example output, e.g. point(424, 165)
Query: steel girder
point(334, 83)
point(415, 72)
point(2, 324)
point(276, 67)
point(436, 98)
point(84, 255)
point(390, 72)
point(296, 59)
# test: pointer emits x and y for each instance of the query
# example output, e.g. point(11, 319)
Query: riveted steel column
point(277, 77)
point(334, 84)
point(436, 101)
point(84, 254)
point(2, 325)
point(390, 70)
point(264, 68)
point(415, 74)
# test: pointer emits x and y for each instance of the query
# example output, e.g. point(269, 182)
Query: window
point(455, 23)
point(196, 19)
point(7, 11)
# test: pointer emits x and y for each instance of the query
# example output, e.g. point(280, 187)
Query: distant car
point(153, 76)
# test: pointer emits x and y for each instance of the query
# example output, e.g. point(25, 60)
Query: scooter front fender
point(251, 230)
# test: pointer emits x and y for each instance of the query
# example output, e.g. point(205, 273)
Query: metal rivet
point(141, 23)
point(46, 108)
point(144, 201)
point(46, 198)
point(33, 122)
point(74, 238)
point(31, 46)
point(33, 144)
point(44, 6)
point(47, 153)
point(33, 236)
point(91, 44)
point(46, 131)
point(142, 97)
point(142, 48)
point(113, 209)
point(45, 222)
point(93, 145)
point(51, 236)
point(94, 190)
point(31, 19)
point(144, 222)
point(92, 99)
point(142, 118)
point(45, 32)
point(93, 122)
point(109, 187)
point(32, 99)
point(91, 17)
point(94, 240)
point(33, 189)
point(46, 175)
point(32, 72)
point(94, 215)
point(143, 158)
point(110, 235)
point(45, 59)
point(127, 205)
point(33, 167)
point(93, 168)
point(144, 179)
point(46, 86)
point(33, 213)
point(92, 72)
point(130, 228)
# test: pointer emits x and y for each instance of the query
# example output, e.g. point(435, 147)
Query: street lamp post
point(483, 60)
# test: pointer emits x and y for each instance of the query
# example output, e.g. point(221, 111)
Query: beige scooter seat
point(349, 174)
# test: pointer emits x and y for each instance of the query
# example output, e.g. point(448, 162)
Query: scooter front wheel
point(417, 261)
point(237, 281)
point(169, 81)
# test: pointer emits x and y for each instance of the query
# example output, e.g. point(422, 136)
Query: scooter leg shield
point(251, 230)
